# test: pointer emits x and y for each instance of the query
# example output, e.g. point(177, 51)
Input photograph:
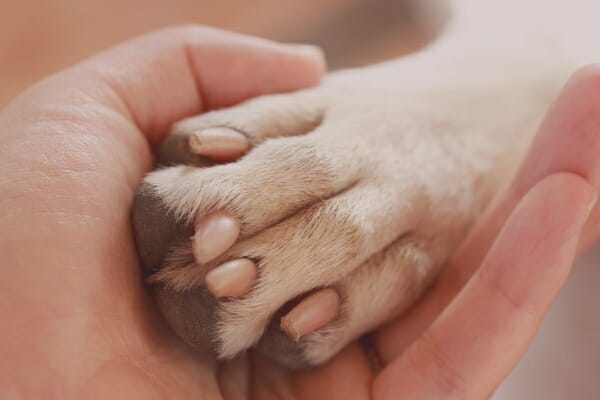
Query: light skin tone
point(77, 320)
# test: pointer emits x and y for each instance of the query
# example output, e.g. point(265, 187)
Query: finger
point(97, 117)
point(163, 76)
point(480, 337)
point(568, 140)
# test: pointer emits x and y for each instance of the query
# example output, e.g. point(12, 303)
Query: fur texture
point(365, 184)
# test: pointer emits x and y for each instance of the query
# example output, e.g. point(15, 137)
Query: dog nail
point(219, 143)
point(231, 279)
point(313, 312)
point(215, 233)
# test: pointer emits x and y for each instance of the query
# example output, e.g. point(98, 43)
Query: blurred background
point(42, 36)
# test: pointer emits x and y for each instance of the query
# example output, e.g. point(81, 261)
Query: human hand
point(480, 316)
point(76, 320)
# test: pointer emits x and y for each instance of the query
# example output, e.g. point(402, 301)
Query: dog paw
point(350, 198)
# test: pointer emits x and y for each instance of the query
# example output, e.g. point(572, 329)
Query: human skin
point(77, 321)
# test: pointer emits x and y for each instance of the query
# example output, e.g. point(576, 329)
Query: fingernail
point(310, 49)
point(314, 52)
point(219, 143)
point(313, 312)
point(592, 202)
point(231, 279)
point(215, 233)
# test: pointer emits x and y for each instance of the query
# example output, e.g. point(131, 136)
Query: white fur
point(368, 182)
